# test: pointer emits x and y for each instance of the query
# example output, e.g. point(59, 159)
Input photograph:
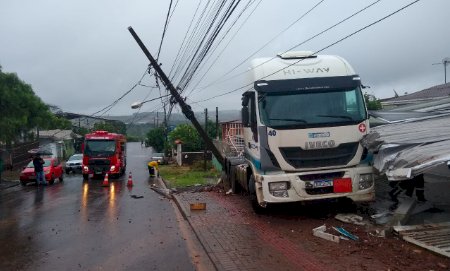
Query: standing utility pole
point(444, 62)
point(206, 129)
point(185, 108)
point(217, 123)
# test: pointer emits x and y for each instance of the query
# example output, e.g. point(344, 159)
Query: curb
point(186, 214)
point(4, 184)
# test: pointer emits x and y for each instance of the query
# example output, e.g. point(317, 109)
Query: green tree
point(190, 137)
point(155, 138)
point(372, 102)
point(21, 110)
point(111, 126)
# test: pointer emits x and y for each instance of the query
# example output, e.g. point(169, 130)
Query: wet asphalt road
point(76, 225)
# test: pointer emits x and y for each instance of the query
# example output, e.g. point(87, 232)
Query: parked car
point(52, 170)
point(74, 163)
point(159, 157)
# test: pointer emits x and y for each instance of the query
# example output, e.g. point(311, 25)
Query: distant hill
point(176, 118)
point(140, 123)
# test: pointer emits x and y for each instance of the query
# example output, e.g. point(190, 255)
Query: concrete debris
point(378, 233)
point(229, 192)
point(350, 218)
point(163, 191)
point(320, 232)
point(375, 216)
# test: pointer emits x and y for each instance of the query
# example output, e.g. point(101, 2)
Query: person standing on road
point(38, 163)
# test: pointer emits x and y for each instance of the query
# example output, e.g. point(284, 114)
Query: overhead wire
point(110, 106)
point(307, 40)
point(184, 39)
point(221, 80)
point(207, 27)
point(205, 49)
point(316, 52)
point(200, 33)
point(164, 30)
point(196, 32)
point(229, 41)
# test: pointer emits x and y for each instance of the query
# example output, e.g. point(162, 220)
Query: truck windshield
point(100, 147)
point(311, 108)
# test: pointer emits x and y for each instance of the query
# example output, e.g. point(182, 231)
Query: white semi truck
point(303, 122)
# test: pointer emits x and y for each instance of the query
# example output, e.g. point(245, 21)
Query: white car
point(74, 163)
point(159, 157)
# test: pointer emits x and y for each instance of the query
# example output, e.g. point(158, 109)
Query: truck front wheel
point(258, 209)
point(85, 177)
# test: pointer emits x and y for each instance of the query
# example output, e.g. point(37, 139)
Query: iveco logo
point(325, 144)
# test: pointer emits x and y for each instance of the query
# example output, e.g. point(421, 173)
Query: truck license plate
point(323, 183)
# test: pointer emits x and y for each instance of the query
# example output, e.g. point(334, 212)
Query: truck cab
point(303, 122)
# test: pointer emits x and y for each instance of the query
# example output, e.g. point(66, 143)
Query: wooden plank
point(421, 227)
point(198, 206)
point(429, 247)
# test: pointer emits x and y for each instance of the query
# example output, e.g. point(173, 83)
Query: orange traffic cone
point(105, 180)
point(130, 180)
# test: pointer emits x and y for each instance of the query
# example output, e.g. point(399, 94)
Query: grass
point(185, 176)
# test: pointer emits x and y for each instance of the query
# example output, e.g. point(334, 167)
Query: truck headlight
point(113, 168)
point(365, 181)
point(279, 189)
point(85, 168)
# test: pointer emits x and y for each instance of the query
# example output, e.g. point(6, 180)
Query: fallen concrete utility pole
point(185, 108)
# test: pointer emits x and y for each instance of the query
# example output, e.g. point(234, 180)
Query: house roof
point(58, 134)
point(435, 92)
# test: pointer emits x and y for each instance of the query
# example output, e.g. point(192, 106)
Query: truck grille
point(300, 158)
point(99, 162)
point(99, 165)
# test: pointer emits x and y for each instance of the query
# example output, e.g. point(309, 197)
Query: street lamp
point(137, 105)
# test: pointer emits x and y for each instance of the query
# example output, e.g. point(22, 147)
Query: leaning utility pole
point(185, 108)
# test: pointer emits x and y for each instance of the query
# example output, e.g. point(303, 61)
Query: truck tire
point(235, 186)
point(85, 177)
point(258, 209)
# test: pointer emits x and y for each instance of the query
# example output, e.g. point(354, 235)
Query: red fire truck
point(104, 152)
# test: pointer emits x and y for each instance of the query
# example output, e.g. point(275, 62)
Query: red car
point(52, 170)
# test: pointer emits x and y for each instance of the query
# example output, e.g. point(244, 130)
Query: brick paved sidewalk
point(235, 241)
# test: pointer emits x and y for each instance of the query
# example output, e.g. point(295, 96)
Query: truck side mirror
point(245, 116)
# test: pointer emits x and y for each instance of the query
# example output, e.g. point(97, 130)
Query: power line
point(209, 43)
point(110, 106)
point(184, 39)
point(228, 43)
point(316, 52)
point(303, 42)
point(165, 28)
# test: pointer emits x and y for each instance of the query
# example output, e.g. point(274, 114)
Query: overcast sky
point(79, 55)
